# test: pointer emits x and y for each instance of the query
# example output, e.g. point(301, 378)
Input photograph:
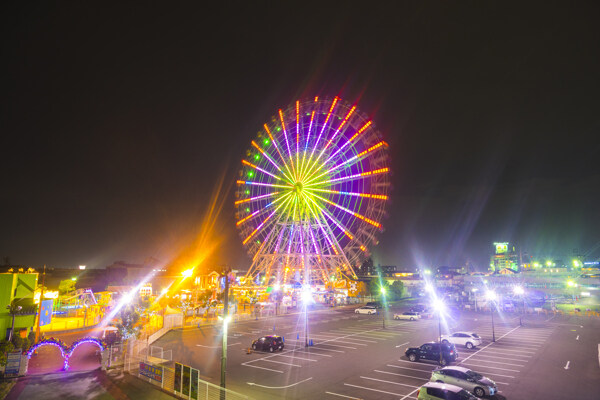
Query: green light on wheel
point(247, 209)
point(278, 129)
point(247, 192)
point(266, 141)
point(250, 174)
point(256, 157)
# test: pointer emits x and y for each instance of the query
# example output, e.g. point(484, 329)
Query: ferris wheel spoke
point(266, 155)
point(255, 198)
point(349, 177)
point(351, 161)
point(287, 143)
point(352, 194)
point(264, 209)
point(357, 215)
point(260, 169)
point(330, 141)
point(252, 183)
point(349, 142)
point(259, 227)
point(335, 100)
point(333, 219)
point(290, 175)
point(312, 117)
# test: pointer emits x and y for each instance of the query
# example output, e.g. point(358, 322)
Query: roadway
point(354, 357)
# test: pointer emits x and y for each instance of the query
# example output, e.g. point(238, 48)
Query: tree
point(66, 286)
point(375, 286)
point(5, 347)
point(397, 289)
point(129, 327)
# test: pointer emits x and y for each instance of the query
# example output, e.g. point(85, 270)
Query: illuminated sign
point(501, 248)
point(152, 372)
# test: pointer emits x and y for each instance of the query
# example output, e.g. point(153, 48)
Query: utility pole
point(37, 331)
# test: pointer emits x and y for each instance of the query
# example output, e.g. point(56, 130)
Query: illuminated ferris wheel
point(311, 193)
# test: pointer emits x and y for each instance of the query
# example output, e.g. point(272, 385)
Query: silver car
point(465, 378)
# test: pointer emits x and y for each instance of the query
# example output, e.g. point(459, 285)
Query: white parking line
point(487, 366)
point(415, 369)
point(268, 369)
point(497, 362)
point(353, 337)
point(278, 362)
point(341, 395)
point(336, 345)
point(390, 382)
point(377, 390)
point(278, 387)
point(396, 374)
point(298, 358)
point(505, 358)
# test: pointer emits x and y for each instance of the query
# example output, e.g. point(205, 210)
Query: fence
point(154, 365)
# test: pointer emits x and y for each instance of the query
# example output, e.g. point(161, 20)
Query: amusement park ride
point(311, 193)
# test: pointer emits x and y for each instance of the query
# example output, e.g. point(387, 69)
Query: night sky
point(124, 124)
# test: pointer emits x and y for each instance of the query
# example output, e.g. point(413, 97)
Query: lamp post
point(383, 306)
point(474, 290)
point(491, 297)
point(438, 305)
point(519, 291)
point(306, 297)
point(226, 318)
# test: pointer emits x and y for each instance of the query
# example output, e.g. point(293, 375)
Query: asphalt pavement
point(354, 356)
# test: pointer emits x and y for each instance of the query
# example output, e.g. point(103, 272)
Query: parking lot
point(354, 356)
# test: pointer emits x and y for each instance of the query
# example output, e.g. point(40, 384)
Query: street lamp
point(226, 318)
point(474, 290)
point(491, 297)
point(438, 306)
point(383, 309)
point(306, 299)
point(519, 291)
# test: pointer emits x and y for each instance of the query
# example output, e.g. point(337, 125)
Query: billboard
point(151, 371)
point(46, 312)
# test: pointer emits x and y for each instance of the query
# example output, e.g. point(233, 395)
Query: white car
point(467, 339)
point(408, 315)
point(465, 378)
point(366, 310)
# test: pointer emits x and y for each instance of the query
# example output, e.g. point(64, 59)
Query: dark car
point(268, 343)
point(431, 351)
point(375, 304)
point(418, 308)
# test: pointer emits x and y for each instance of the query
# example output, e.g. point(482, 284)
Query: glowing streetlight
point(491, 296)
point(188, 273)
point(429, 287)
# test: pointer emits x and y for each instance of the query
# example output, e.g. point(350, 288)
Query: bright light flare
point(188, 273)
point(491, 295)
point(438, 305)
point(518, 290)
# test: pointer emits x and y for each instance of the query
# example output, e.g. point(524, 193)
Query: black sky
point(120, 119)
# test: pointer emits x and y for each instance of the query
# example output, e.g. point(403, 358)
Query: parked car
point(366, 310)
point(465, 378)
point(437, 391)
point(408, 315)
point(418, 308)
point(431, 351)
point(469, 340)
point(268, 343)
point(375, 304)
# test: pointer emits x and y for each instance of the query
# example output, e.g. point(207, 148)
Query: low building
point(17, 289)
